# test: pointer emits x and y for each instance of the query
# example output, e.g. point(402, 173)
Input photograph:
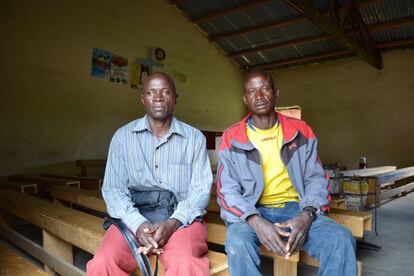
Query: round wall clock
point(159, 54)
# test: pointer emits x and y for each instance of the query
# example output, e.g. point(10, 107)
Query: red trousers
point(184, 254)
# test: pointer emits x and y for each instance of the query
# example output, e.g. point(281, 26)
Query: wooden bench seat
point(357, 222)
point(63, 227)
point(43, 183)
point(86, 164)
point(389, 184)
point(368, 171)
point(89, 183)
point(22, 187)
point(12, 264)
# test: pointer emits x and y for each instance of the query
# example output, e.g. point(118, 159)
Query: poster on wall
point(138, 74)
point(119, 69)
point(101, 64)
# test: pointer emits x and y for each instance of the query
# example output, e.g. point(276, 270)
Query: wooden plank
point(218, 263)
point(13, 264)
point(19, 186)
point(58, 247)
point(39, 253)
point(396, 191)
point(357, 222)
point(395, 175)
point(43, 183)
point(85, 164)
point(78, 228)
point(85, 198)
point(368, 171)
point(282, 267)
point(338, 203)
point(85, 182)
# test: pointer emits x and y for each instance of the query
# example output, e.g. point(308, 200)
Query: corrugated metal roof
point(267, 12)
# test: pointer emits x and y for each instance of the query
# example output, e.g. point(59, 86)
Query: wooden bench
point(338, 203)
point(43, 183)
point(14, 264)
point(367, 172)
point(63, 227)
point(389, 184)
point(356, 222)
point(89, 183)
point(86, 164)
point(19, 186)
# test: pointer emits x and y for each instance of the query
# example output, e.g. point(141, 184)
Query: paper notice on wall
point(101, 64)
point(138, 75)
point(119, 69)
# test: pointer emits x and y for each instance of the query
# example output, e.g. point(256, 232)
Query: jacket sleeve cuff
point(315, 205)
point(248, 213)
point(134, 220)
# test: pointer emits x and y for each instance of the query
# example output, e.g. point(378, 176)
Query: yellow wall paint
point(53, 111)
point(356, 110)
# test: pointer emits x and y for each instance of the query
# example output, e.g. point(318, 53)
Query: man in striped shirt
point(157, 150)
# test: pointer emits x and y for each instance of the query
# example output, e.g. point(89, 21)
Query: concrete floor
point(395, 226)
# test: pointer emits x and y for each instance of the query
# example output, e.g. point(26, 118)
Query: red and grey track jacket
point(240, 176)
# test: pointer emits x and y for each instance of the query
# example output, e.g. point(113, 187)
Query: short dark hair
point(260, 72)
point(166, 76)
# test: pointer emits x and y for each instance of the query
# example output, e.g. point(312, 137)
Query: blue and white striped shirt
point(177, 162)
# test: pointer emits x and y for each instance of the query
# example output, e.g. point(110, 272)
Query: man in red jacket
point(272, 190)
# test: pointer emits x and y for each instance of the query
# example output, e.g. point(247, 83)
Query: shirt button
point(160, 181)
point(156, 166)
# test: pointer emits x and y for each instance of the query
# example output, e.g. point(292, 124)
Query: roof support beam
point(339, 54)
point(318, 38)
point(227, 11)
point(295, 20)
point(367, 53)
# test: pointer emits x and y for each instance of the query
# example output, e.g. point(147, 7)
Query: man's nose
point(158, 96)
point(258, 94)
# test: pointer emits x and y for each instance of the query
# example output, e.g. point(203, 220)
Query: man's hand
point(146, 239)
point(163, 230)
point(268, 234)
point(299, 226)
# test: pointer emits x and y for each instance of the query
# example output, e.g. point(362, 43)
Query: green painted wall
point(53, 111)
point(355, 109)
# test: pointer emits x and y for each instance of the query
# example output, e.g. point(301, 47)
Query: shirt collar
point(175, 127)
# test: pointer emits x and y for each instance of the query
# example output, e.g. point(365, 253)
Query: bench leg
point(58, 247)
point(282, 267)
point(359, 264)
point(6, 218)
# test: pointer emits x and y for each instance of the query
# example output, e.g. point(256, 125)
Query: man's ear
point(142, 98)
point(176, 98)
point(277, 92)
point(245, 99)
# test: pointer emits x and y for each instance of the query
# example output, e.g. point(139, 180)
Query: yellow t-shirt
point(277, 185)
